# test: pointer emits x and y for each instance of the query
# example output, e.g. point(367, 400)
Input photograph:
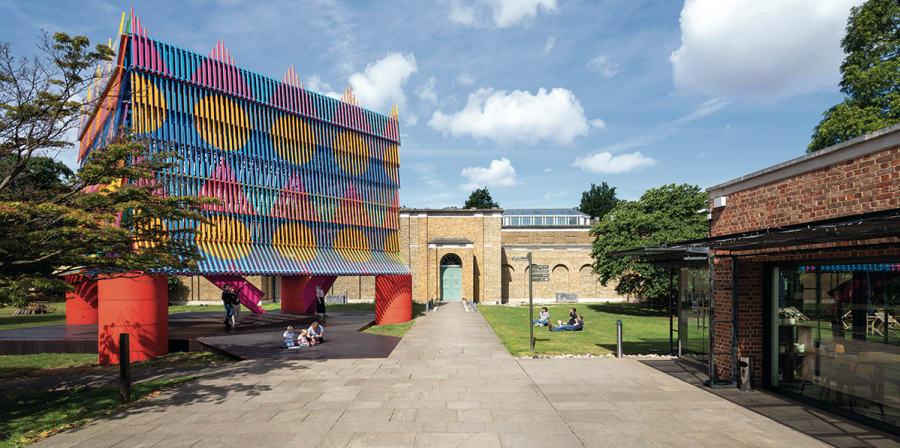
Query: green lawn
point(644, 331)
point(397, 330)
point(34, 415)
point(54, 364)
point(8, 321)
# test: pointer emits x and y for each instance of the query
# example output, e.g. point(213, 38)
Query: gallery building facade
point(804, 268)
point(473, 254)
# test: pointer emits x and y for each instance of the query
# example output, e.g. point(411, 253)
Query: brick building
point(804, 258)
point(470, 254)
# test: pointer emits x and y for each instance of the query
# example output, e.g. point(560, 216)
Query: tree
point(40, 97)
point(109, 218)
point(481, 198)
point(40, 176)
point(667, 214)
point(870, 76)
point(598, 200)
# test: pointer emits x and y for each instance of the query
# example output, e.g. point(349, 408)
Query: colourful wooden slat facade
point(308, 183)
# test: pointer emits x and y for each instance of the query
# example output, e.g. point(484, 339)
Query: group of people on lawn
point(575, 322)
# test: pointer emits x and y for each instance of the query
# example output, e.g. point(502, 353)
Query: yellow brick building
point(472, 254)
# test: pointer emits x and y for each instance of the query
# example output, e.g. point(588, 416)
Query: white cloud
point(606, 163)
point(548, 169)
point(317, 84)
point(551, 42)
point(666, 129)
point(500, 173)
point(504, 13)
point(462, 14)
point(516, 117)
point(381, 84)
point(760, 49)
point(466, 79)
point(411, 120)
point(428, 175)
point(603, 65)
point(555, 194)
point(512, 12)
point(427, 92)
point(598, 123)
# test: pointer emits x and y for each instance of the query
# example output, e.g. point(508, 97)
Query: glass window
point(573, 221)
point(693, 313)
point(835, 335)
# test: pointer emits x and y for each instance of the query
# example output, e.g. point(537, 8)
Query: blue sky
point(535, 99)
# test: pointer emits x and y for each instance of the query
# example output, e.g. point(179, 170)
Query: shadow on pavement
point(829, 428)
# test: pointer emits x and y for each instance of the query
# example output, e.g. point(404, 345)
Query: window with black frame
point(693, 313)
point(836, 337)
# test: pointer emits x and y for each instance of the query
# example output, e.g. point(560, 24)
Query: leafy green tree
point(107, 219)
point(870, 76)
point(481, 198)
point(40, 97)
point(41, 176)
point(598, 200)
point(667, 214)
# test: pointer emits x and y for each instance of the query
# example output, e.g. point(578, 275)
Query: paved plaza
point(449, 382)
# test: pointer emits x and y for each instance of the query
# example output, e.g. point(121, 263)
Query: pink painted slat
point(249, 295)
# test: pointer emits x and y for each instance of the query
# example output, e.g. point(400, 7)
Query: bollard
point(124, 368)
point(618, 339)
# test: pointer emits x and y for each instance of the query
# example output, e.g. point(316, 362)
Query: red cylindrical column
point(81, 304)
point(393, 299)
point(292, 287)
point(137, 306)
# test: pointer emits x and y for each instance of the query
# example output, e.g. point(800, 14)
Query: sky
point(534, 99)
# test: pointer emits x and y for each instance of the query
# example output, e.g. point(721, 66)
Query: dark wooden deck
point(184, 330)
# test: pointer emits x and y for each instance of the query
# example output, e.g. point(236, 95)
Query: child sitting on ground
point(288, 337)
point(303, 340)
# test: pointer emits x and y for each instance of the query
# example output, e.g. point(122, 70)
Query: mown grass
point(397, 330)
point(34, 415)
point(56, 364)
point(8, 321)
point(645, 331)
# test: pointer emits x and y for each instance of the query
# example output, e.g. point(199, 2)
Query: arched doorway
point(451, 277)
point(559, 280)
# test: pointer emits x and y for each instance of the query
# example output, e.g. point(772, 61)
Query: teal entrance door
point(451, 283)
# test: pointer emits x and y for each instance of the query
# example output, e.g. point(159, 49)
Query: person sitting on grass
point(303, 339)
point(316, 332)
point(543, 319)
point(572, 317)
point(577, 326)
point(288, 336)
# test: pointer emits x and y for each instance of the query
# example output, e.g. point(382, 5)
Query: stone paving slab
point(448, 383)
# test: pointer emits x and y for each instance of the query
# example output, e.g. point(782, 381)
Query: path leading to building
point(449, 382)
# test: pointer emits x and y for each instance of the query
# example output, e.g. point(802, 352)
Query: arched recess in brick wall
point(559, 280)
point(510, 284)
point(587, 282)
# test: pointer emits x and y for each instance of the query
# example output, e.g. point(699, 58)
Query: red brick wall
point(751, 293)
point(866, 184)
